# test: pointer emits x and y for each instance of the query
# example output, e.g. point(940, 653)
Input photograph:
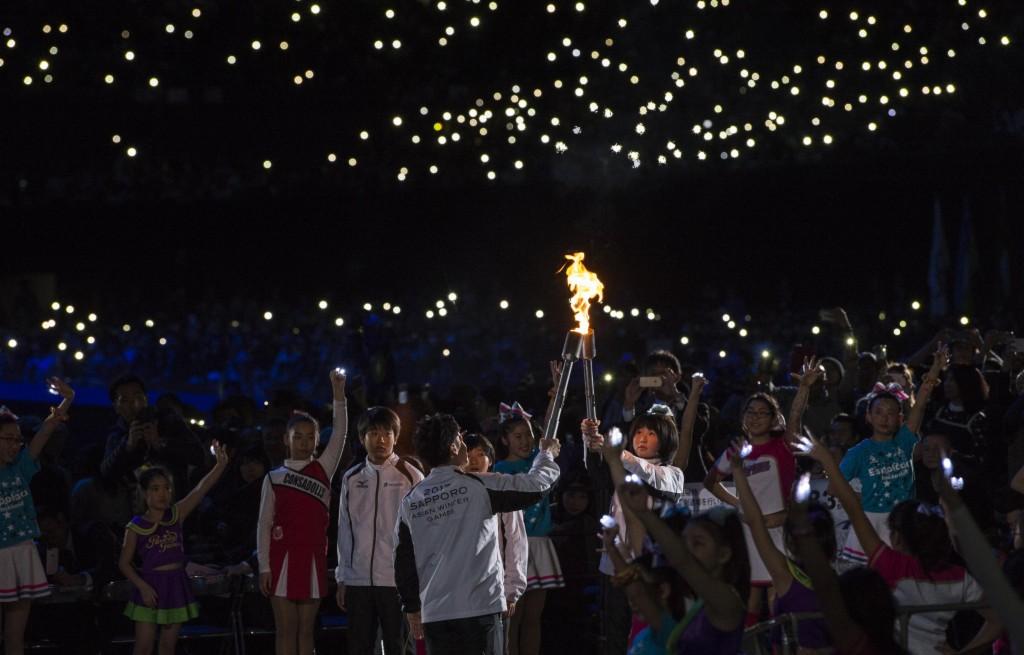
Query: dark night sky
point(768, 227)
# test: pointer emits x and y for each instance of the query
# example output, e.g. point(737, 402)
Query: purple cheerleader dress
point(161, 544)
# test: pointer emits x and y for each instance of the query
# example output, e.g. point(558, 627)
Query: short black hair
point(663, 357)
point(843, 417)
point(664, 427)
point(121, 381)
point(434, 437)
point(474, 440)
point(377, 418)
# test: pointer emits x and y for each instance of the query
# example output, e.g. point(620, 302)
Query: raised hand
point(669, 382)
point(811, 447)
point(697, 382)
point(556, 371)
point(61, 388)
point(940, 362)
point(631, 394)
point(739, 451)
point(220, 453)
point(810, 373)
point(338, 379)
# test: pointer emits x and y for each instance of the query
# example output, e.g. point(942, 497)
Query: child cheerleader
point(162, 597)
point(292, 532)
point(22, 577)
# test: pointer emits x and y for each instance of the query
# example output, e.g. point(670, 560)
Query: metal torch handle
point(551, 429)
point(588, 390)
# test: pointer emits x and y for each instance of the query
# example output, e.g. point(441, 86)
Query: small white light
point(539, 313)
point(339, 371)
point(503, 304)
point(608, 522)
point(615, 437)
point(803, 488)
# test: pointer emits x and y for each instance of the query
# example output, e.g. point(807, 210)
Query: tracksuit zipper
point(373, 544)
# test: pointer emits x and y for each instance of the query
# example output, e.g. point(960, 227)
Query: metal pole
point(570, 353)
point(587, 352)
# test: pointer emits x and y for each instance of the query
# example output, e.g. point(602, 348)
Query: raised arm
point(512, 492)
point(57, 415)
point(841, 489)
point(844, 630)
point(774, 561)
point(332, 454)
point(688, 420)
point(187, 504)
point(809, 375)
point(722, 603)
point(1007, 606)
point(928, 384)
point(556, 376)
point(628, 576)
point(714, 477)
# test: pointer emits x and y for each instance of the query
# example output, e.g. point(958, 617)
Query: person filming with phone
point(658, 383)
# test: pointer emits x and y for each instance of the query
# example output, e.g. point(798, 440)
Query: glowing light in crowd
point(593, 80)
point(615, 437)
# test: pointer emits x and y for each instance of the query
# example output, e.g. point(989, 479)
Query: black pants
point(617, 620)
point(477, 635)
point(370, 608)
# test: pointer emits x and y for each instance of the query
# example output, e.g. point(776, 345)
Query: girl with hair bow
point(543, 569)
point(884, 463)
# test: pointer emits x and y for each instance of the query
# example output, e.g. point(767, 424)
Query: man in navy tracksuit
point(447, 559)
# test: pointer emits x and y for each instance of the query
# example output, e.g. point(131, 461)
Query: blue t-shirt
point(885, 470)
point(651, 642)
point(17, 512)
point(537, 516)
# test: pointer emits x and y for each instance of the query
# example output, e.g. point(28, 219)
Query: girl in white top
point(653, 446)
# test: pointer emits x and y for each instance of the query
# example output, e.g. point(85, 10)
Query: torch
point(579, 343)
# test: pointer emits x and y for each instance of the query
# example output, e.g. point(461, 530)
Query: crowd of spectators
point(263, 369)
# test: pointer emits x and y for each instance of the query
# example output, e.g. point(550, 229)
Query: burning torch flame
point(584, 286)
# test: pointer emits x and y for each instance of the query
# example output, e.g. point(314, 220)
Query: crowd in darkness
point(264, 370)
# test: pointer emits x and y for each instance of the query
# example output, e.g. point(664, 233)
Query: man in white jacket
point(447, 560)
point(371, 493)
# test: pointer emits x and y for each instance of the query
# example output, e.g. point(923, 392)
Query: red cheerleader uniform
point(292, 539)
